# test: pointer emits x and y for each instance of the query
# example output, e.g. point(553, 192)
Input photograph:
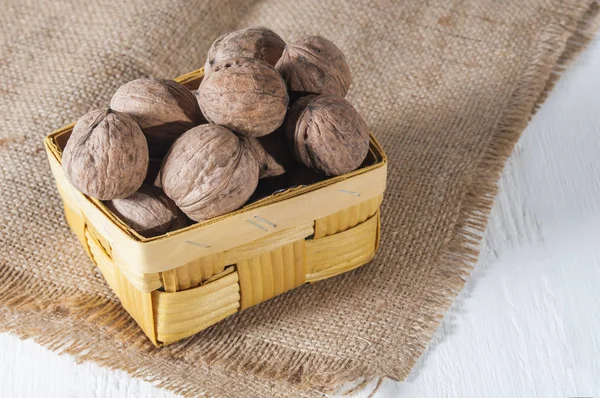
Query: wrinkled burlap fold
point(447, 87)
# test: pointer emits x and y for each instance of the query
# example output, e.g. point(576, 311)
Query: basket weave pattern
point(174, 300)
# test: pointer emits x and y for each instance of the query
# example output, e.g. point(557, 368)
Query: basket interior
point(270, 190)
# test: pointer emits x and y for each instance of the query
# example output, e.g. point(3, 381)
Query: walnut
point(209, 172)
point(245, 95)
point(255, 42)
point(272, 153)
point(148, 211)
point(327, 134)
point(313, 64)
point(164, 109)
point(106, 156)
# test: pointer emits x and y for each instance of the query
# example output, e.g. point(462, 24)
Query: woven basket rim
point(54, 149)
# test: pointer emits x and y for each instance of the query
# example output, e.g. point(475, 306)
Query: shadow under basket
point(180, 283)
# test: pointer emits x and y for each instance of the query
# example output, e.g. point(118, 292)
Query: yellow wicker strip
point(193, 273)
point(69, 199)
point(243, 270)
point(272, 273)
point(226, 271)
point(143, 282)
point(341, 252)
point(77, 224)
point(299, 262)
point(196, 325)
point(100, 258)
point(185, 313)
point(268, 282)
point(289, 275)
point(198, 271)
point(278, 267)
point(267, 244)
point(81, 223)
point(99, 238)
point(180, 308)
point(137, 303)
point(347, 218)
point(169, 280)
point(208, 266)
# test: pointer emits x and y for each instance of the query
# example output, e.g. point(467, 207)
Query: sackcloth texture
point(446, 86)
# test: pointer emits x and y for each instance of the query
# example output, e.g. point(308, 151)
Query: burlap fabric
point(447, 87)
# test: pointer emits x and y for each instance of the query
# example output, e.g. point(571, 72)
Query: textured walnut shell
point(315, 65)
point(209, 172)
point(272, 153)
point(327, 134)
point(148, 211)
point(164, 109)
point(106, 156)
point(245, 95)
point(255, 42)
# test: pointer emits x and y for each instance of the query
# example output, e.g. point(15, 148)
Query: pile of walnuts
point(162, 155)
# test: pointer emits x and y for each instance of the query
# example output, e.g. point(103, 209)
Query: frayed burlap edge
point(46, 319)
point(558, 44)
point(43, 319)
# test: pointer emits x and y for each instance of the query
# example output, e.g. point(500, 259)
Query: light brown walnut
point(245, 95)
point(164, 109)
point(149, 212)
point(254, 42)
point(327, 134)
point(313, 64)
point(106, 156)
point(209, 172)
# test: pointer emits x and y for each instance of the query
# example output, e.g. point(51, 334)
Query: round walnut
point(209, 172)
point(272, 153)
point(149, 212)
point(255, 42)
point(164, 109)
point(245, 95)
point(313, 64)
point(106, 156)
point(327, 134)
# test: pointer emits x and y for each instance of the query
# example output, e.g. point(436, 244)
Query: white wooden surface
point(528, 322)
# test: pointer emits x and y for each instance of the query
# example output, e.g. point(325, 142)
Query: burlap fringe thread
point(547, 63)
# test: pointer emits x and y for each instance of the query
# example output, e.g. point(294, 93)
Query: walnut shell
point(148, 211)
point(106, 156)
point(209, 172)
point(245, 95)
point(272, 153)
point(254, 42)
point(313, 64)
point(164, 109)
point(327, 134)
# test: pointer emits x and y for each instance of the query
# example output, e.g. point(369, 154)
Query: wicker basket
point(178, 284)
